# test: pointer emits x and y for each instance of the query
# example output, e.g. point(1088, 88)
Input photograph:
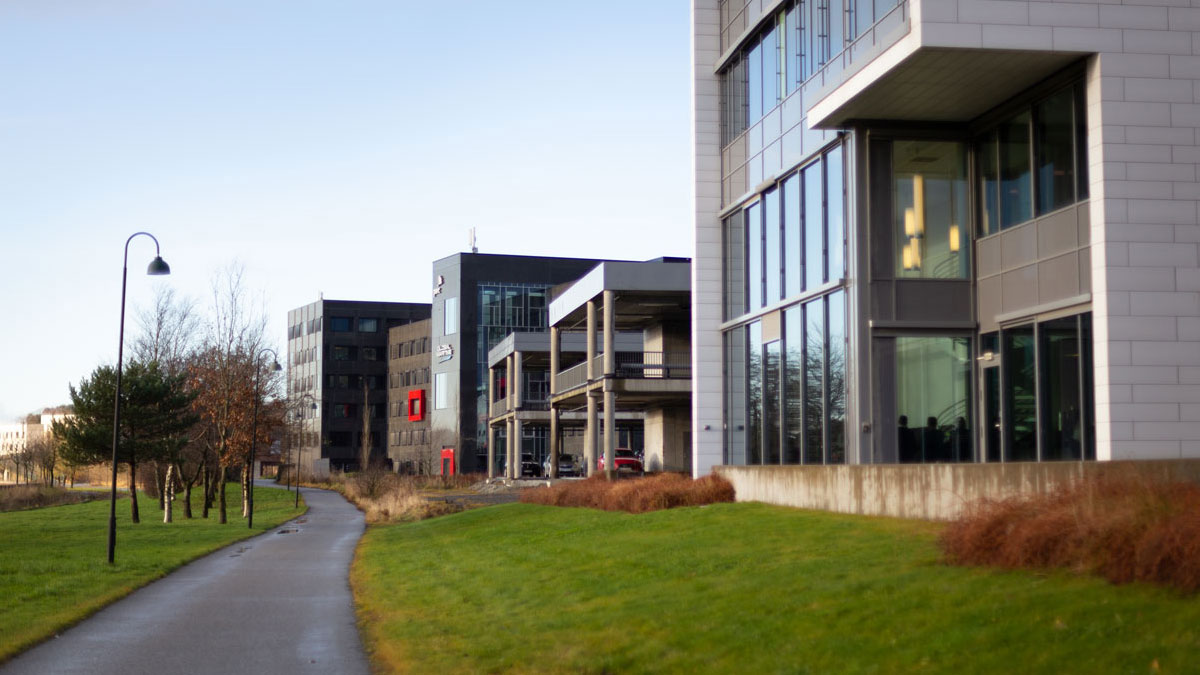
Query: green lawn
point(53, 561)
point(737, 588)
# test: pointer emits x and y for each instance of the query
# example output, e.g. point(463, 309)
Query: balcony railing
point(654, 365)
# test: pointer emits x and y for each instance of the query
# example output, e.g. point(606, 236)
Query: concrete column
point(610, 430)
point(508, 380)
point(508, 448)
point(555, 443)
point(555, 351)
point(491, 392)
point(516, 447)
point(610, 396)
point(518, 395)
point(591, 339)
point(591, 433)
point(610, 354)
point(491, 460)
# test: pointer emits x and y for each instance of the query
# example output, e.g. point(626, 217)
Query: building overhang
point(652, 288)
point(932, 84)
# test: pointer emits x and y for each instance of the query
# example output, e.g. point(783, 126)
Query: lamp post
point(300, 451)
point(157, 267)
point(254, 435)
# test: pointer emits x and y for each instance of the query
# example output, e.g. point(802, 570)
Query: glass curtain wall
point(785, 400)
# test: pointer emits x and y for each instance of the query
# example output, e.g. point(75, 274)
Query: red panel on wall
point(416, 405)
point(447, 461)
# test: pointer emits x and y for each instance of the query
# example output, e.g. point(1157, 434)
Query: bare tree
point(169, 331)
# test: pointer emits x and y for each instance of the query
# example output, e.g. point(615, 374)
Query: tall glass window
point(735, 265)
point(1020, 379)
point(933, 401)
point(771, 421)
point(1016, 185)
point(754, 256)
point(770, 67)
point(450, 325)
point(930, 209)
point(793, 384)
point(836, 378)
point(835, 213)
point(735, 396)
point(772, 252)
point(754, 76)
point(814, 232)
point(1062, 384)
point(1054, 141)
point(793, 282)
point(814, 381)
point(754, 394)
point(794, 48)
point(989, 187)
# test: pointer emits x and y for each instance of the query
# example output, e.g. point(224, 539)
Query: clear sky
point(326, 146)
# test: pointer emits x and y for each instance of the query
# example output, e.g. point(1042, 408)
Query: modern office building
point(335, 349)
point(409, 445)
point(945, 231)
point(478, 300)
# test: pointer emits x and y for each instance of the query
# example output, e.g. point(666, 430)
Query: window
point(754, 256)
point(772, 249)
point(450, 325)
point(929, 210)
point(814, 235)
point(370, 353)
point(368, 325)
point(339, 324)
point(441, 398)
point(1033, 162)
point(933, 400)
point(341, 353)
point(344, 410)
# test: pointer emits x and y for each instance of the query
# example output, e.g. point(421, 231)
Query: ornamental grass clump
point(1125, 529)
point(634, 495)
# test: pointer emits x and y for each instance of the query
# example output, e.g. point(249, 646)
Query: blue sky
point(335, 147)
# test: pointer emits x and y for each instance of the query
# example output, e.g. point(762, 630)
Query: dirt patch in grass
point(1125, 529)
point(634, 495)
point(20, 497)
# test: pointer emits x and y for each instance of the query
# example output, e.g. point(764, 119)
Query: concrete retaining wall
point(926, 491)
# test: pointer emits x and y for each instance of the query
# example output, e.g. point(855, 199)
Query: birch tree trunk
point(168, 493)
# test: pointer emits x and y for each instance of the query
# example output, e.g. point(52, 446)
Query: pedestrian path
point(277, 603)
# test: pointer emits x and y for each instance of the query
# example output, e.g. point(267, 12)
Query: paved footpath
point(278, 603)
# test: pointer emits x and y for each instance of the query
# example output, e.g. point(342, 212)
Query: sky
point(325, 147)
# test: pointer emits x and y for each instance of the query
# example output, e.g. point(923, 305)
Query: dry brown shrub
point(634, 495)
point(1125, 529)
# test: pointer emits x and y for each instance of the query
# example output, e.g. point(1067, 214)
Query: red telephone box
point(447, 461)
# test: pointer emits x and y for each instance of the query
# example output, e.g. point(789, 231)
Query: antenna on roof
point(471, 240)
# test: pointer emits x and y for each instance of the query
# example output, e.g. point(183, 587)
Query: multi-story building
point(337, 356)
point(945, 231)
point(409, 444)
point(478, 300)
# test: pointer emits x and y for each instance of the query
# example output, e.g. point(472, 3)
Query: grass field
point(53, 562)
point(737, 588)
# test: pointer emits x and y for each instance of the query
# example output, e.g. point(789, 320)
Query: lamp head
point(277, 367)
point(158, 267)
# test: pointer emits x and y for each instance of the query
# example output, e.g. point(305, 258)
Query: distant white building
point(16, 436)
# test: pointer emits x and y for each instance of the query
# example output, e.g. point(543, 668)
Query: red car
point(626, 460)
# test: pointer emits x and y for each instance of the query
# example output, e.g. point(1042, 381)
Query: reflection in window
point(771, 420)
point(814, 235)
point(930, 209)
point(836, 378)
point(835, 214)
point(754, 394)
point(1016, 187)
point(771, 249)
point(1062, 435)
point(1020, 394)
point(1053, 139)
point(368, 325)
point(735, 396)
point(754, 265)
point(814, 381)
point(793, 384)
point(735, 265)
point(792, 243)
point(933, 384)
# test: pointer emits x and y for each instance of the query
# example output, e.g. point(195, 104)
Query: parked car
point(566, 466)
point(531, 469)
point(625, 460)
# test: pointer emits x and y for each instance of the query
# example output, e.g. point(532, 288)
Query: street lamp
point(300, 450)
point(254, 435)
point(157, 267)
